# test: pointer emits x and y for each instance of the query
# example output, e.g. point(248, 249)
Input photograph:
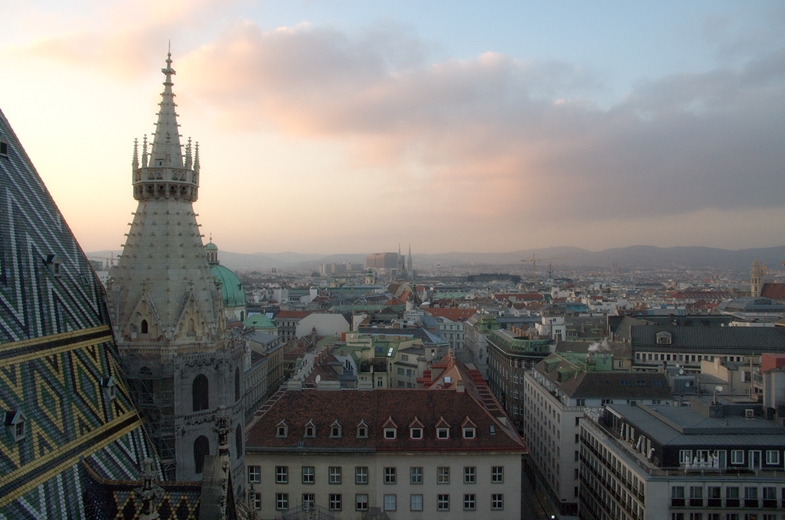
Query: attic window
point(282, 429)
point(52, 263)
point(468, 433)
point(110, 387)
point(442, 433)
point(310, 429)
point(15, 424)
point(362, 430)
point(336, 430)
point(3, 147)
point(664, 338)
point(415, 433)
point(390, 433)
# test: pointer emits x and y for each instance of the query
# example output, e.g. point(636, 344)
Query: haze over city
point(347, 126)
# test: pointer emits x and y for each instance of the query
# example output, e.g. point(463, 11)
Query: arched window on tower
point(238, 441)
point(191, 327)
point(144, 327)
point(237, 384)
point(201, 448)
point(201, 393)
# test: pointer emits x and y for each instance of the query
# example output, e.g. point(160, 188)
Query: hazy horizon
point(462, 127)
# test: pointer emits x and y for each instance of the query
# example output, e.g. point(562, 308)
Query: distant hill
point(643, 257)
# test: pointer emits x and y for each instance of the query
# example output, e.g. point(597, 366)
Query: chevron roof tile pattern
point(62, 394)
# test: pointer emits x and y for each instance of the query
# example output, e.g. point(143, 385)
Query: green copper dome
point(231, 289)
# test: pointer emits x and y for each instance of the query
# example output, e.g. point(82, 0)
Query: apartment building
point(712, 460)
point(417, 454)
point(556, 394)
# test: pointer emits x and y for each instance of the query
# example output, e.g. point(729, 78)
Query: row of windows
point(335, 474)
point(415, 433)
point(736, 457)
point(726, 516)
point(416, 502)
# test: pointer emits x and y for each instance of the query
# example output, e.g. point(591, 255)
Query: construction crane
point(534, 261)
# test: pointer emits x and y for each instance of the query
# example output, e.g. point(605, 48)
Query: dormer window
point(109, 386)
point(52, 263)
point(362, 430)
point(3, 147)
point(442, 429)
point(664, 338)
point(469, 429)
point(15, 424)
point(282, 429)
point(336, 430)
point(310, 429)
point(390, 429)
point(416, 429)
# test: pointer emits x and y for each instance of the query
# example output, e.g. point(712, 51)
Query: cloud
point(516, 138)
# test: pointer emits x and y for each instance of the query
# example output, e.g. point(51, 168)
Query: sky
point(350, 126)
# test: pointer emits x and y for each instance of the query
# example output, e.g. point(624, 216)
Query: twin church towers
point(167, 311)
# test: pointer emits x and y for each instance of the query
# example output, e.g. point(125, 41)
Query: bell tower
point(167, 312)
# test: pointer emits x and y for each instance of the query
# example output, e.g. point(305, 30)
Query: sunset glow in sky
point(354, 125)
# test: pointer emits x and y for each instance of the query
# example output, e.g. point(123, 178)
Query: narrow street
point(532, 506)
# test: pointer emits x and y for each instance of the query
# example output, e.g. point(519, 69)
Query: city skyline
point(344, 126)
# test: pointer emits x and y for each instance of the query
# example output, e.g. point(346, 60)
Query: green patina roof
point(259, 322)
point(231, 289)
point(211, 247)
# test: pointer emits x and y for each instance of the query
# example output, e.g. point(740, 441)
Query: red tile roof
point(775, 291)
point(375, 408)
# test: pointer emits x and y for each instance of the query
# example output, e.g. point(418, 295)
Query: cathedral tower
point(167, 313)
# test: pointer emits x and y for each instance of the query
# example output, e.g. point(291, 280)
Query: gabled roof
point(380, 408)
point(451, 313)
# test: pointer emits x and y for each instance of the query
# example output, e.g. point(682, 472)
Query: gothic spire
point(166, 142)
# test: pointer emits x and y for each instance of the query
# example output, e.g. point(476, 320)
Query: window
point(390, 476)
point(282, 501)
point(336, 430)
point(415, 433)
point(282, 429)
point(308, 501)
point(677, 496)
point(580, 402)
point(442, 433)
point(497, 474)
point(389, 503)
point(257, 501)
point(443, 475)
point(443, 502)
point(415, 502)
point(390, 433)
point(361, 502)
point(335, 502)
point(415, 475)
point(469, 475)
point(361, 475)
point(468, 433)
point(772, 457)
point(334, 474)
point(310, 429)
point(737, 457)
point(308, 474)
point(685, 457)
point(497, 501)
point(200, 393)
point(362, 430)
point(254, 474)
point(282, 474)
point(201, 448)
point(469, 502)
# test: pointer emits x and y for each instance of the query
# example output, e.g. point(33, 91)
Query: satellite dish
point(718, 388)
point(681, 371)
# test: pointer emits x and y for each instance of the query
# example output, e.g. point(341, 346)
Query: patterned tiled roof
point(59, 371)
point(375, 408)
